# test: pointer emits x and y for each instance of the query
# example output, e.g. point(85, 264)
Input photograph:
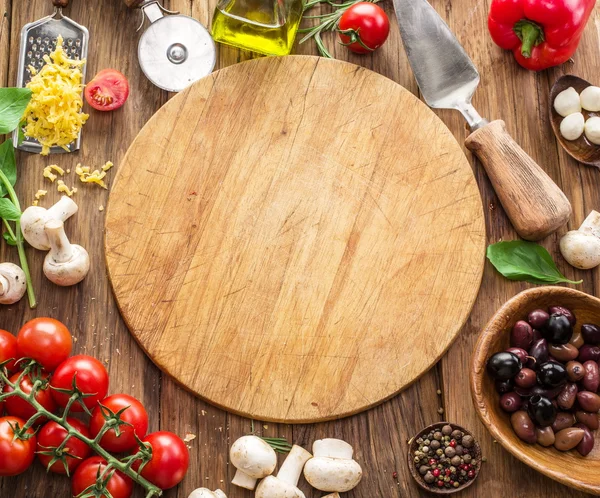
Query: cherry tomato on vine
point(45, 340)
point(107, 91)
point(18, 407)
point(91, 378)
point(17, 454)
point(364, 27)
point(8, 349)
point(169, 462)
point(135, 414)
point(119, 485)
point(51, 437)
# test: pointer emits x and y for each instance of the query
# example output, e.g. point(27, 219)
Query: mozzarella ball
point(592, 130)
point(590, 99)
point(572, 126)
point(567, 102)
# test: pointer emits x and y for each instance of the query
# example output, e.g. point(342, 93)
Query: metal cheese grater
point(38, 39)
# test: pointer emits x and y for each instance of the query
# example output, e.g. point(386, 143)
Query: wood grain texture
point(379, 436)
point(581, 149)
point(284, 246)
point(533, 202)
point(567, 467)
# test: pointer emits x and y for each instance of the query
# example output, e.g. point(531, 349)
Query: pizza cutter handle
point(61, 4)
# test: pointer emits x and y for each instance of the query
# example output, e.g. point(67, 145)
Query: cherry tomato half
point(52, 435)
point(45, 340)
point(8, 349)
point(91, 378)
point(107, 91)
point(169, 462)
point(135, 414)
point(364, 22)
point(15, 456)
point(119, 485)
point(18, 407)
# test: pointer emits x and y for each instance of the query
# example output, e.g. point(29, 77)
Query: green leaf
point(9, 239)
point(13, 102)
point(7, 165)
point(520, 260)
point(8, 211)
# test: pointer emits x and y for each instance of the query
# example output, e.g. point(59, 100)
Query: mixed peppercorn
point(446, 458)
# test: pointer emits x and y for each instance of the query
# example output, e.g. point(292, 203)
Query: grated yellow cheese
point(96, 176)
point(64, 189)
point(53, 116)
point(107, 166)
point(38, 195)
point(51, 176)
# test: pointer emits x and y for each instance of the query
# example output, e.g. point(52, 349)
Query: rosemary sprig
point(327, 22)
point(279, 444)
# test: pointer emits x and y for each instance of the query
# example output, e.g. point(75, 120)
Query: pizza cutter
point(176, 50)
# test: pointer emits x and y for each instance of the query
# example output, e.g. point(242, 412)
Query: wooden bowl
point(569, 468)
point(413, 445)
point(581, 149)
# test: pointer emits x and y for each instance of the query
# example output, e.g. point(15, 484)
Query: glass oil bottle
point(265, 26)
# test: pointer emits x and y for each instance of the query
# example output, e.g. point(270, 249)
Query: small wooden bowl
point(581, 149)
point(413, 446)
point(569, 468)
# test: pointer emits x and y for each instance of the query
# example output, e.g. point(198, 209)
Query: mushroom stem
point(63, 209)
point(61, 250)
point(243, 480)
point(292, 466)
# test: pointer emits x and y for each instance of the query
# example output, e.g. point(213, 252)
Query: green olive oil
point(265, 26)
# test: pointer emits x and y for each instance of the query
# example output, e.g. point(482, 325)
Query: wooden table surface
point(379, 436)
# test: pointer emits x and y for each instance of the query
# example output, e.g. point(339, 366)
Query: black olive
point(590, 333)
point(539, 351)
point(551, 374)
point(504, 386)
point(541, 410)
point(561, 310)
point(558, 329)
point(503, 365)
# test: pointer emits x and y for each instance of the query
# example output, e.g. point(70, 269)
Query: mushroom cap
point(253, 456)
point(32, 221)
point(71, 272)
point(580, 249)
point(14, 283)
point(271, 487)
point(207, 493)
point(332, 474)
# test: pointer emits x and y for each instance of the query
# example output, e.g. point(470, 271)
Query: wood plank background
point(379, 435)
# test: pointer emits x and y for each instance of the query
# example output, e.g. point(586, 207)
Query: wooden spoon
point(581, 149)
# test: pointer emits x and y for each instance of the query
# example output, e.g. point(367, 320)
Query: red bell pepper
point(541, 33)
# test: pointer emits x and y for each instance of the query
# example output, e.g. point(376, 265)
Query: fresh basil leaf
point(9, 239)
point(13, 102)
point(8, 211)
point(520, 260)
point(7, 165)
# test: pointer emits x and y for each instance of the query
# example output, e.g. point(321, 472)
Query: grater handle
point(61, 4)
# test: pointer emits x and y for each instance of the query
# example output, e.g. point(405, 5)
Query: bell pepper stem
point(530, 34)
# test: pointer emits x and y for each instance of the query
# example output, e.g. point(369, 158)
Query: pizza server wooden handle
point(534, 203)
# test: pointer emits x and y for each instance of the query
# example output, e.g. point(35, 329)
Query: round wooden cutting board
point(295, 239)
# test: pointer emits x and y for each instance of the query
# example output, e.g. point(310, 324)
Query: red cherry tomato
point(107, 91)
point(18, 407)
point(119, 485)
point(52, 435)
point(45, 340)
point(366, 25)
point(91, 378)
point(135, 415)
point(8, 350)
point(169, 462)
point(15, 455)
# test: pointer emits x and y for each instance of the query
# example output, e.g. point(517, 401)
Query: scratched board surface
point(378, 435)
point(291, 261)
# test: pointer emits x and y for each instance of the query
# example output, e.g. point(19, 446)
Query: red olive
point(510, 402)
point(525, 378)
point(538, 318)
point(586, 445)
point(520, 353)
point(575, 371)
point(588, 352)
point(539, 351)
point(568, 438)
point(562, 421)
point(566, 398)
point(521, 335)
point(523, 426)
point(587, 418)
point(591, 377)
point(590, 333)
point(564, 352)
point(590, 402)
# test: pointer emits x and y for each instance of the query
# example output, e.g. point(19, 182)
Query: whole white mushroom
point(207, 493)
point(581, 248)
point(65, 264)
point(590, 99)
point(567, 102)
point(34, 218)
point(572, 126)
point(333, 467)
point(285, 485)
point(253, 458)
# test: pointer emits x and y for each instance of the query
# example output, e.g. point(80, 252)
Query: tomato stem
point(112, 462)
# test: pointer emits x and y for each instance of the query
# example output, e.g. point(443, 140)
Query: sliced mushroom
point(13, 283)
point(66, 264)
point(333, 467)
point(581, 248)
point(285, 485)
point(207, 493)
point(34, 219)
point(253, 458)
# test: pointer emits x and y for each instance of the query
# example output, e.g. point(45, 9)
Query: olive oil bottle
point(265, 26)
